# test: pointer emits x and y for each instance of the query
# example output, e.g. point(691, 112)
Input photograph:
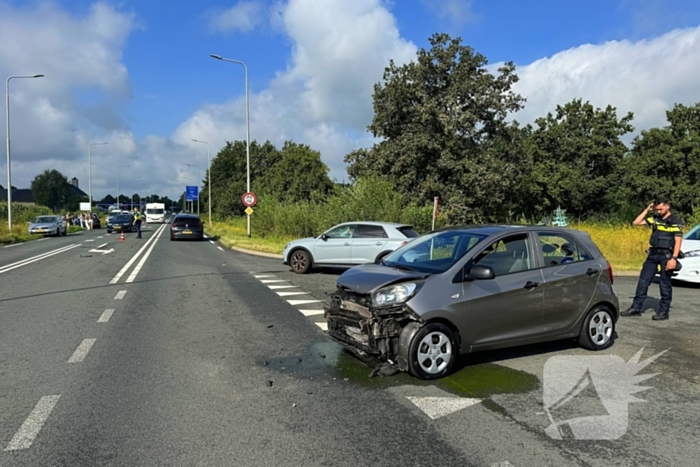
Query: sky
point(139, 76)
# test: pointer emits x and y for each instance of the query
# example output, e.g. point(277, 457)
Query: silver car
point(462, 290)
point(347, 244)
point(48, 225)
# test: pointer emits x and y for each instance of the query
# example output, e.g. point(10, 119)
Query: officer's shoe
point(631, 312)
point(660, 316)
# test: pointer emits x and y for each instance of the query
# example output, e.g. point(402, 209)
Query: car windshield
point(434, 253)
point(693, 234)
point(122, 218)
point(44, 219)
point(154, 211)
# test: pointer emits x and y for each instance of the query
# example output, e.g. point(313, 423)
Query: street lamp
point(9, 175)
point(120, 167)
point(247, 121)
point(208, 176)
point(90, 170)
point(195, 167)
point(132, 191)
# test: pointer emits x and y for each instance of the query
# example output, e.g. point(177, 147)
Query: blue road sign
point(192, 193)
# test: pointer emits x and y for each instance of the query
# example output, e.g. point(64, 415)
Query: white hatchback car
point(347, 244)
point(690, 272)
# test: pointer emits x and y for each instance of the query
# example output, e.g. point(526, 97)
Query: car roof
point(490, 229)
point(383, 224)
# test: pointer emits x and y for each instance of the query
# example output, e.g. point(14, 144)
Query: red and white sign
point(249, 199)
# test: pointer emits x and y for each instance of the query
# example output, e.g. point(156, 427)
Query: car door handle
point(346, 243)
point(379, 243)
point(592, 271)
point(531, 285)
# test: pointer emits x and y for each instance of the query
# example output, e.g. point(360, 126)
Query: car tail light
point(610, 272)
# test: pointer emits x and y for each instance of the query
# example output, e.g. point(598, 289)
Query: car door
point(335, 246)
point(570, 278)
point(367, 242)
point(508, 307)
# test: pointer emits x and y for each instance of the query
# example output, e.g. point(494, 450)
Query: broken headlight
point(395, 294)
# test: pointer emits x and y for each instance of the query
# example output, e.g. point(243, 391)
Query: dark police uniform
point(138, 216)
point(662, 242)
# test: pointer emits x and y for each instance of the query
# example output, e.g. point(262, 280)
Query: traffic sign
point(249, 210)
point(249, 199)
point(192, 193)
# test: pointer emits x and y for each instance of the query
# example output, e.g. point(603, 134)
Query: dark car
point(187, 226)
point(462, 290)
point(121, 223)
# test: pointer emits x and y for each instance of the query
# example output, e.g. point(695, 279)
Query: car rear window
point(408, 232)
point(370, 231)
point(122, 218)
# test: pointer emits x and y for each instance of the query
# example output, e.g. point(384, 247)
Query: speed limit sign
point(249, 199)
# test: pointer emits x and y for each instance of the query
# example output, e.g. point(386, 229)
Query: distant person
point(137, 222)
point(665, 246)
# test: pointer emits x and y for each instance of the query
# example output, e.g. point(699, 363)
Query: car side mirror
point(324, 237)
point(478, 272)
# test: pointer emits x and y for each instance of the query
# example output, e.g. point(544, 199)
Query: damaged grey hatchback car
point(465, 289)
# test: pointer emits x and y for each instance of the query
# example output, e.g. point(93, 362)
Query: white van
point(155, 213)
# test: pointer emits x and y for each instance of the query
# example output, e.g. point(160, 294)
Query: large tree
point(443, 130)
point(50, 189)
point(575, 158)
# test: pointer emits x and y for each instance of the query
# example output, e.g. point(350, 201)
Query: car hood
point(690, 245)
point(368, 277)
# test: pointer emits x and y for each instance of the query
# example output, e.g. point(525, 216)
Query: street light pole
point(90, 170)
point(120, 167)
point(7, 121)
point(208, 175)
point(247, 121)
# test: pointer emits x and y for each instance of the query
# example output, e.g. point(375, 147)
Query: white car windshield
point(44, 220)
point(435, 252)
point(693, 234)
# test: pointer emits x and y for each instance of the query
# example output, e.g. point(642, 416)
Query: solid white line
point(126, 267)
point(98, 247)
point(220, 248)
point(138, 267)
point(273, 287)
point(14, 244)
point(287, 294)
point(302, 302)
point(271, 281)
point(31, 427)
point(106, 315)
point(33, 259)
point(311, 312)
point(323, 326)
point(82, 351)
point(120, 295)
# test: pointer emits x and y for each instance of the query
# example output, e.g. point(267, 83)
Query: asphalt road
point(190, 354)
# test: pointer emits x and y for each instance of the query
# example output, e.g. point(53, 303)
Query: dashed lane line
point(43, 239)
point(288, 294)
point(274, 287)
point(323, 326)
point(311, 312)
point(302, 302)
point(82, 351)
point(270, 281)
point(120, 295)
point(14, 244)
point(31, 427)
point(106, 315)
point(24, 262)
point(220, 248)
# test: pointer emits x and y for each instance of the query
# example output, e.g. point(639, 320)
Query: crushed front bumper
point(375, 335)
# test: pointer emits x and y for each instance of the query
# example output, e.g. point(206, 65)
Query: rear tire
point(598, 330)
point(300, 261)
point(433, 352)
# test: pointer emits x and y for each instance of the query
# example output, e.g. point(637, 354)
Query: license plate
point(117, 227)
point(187, 232)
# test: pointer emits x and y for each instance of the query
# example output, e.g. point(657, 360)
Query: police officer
point(137, 221)
point(665, 246)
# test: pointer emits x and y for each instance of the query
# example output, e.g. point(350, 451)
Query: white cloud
point(339, 51)
point(646, 77)
point(243, 16)
point(457, 12)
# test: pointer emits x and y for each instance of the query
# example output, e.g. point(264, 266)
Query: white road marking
point(102, 236)
point(126, 267)
point(270, 281)
point(211, 241)
point(24, 262)
point(120, 295)
point(220, 248)
point(90, 240)
point(323, 326)
point(14, 244)
point(287, 294)
point(31, 427)
point(108, 235)
point(302, 302)
point(98, 247)
point(82, 351)
point(106, 315)
point(42, 239)
point(138, 267)
point(311, 312)
point(264, 276)
point(436, 407)
point(273, 287)
point(501, 464)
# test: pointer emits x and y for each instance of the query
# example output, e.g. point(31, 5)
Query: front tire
point(433, 352)
point(598, 329)
point(300, 261)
